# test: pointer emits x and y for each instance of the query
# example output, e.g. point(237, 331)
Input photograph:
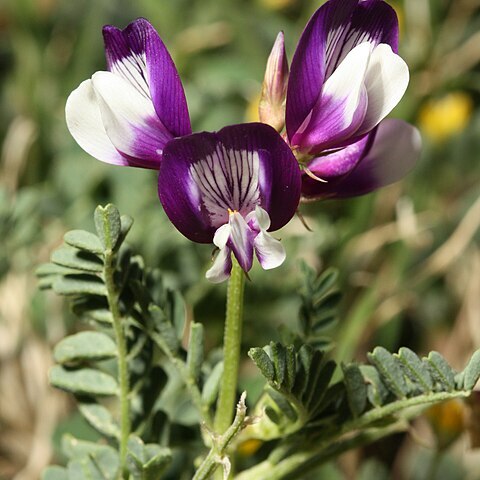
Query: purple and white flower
point(231, 188)
point(346, 77)
point(127, 115)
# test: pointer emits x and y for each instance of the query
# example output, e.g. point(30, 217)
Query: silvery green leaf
point(85, 346)
point(51, 269)
point(100, 418)
point(167, 335)
point(86, 381)
point(321, 386)
point(195, 350)
point(108, 225)
point(77, 259)
point(291, 367)
point(74, 448)
point(356, 388)
point(415, 369)
point(126, 224)
point(146, 462)
point(376, 390)
point(54, 472)
point(441, 371)
point(79, 285)
point(283, 404)
point(279, 362)
point(212, 384)
point(472, 371)
point(390, 370)
point(263, 362)
point(326, 281)
point(84, 241)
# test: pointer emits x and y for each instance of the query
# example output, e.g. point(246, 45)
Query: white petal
point(241, 240)
point(263, 218)
point(221, 236)
point(129, 117)
point(346, 83)
point(386, 82)
point(86, 126)
point(221, 268)
point(269, 250)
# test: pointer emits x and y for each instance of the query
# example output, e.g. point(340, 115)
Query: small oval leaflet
point(85, 381)
point(80, 260)
point(85, 346)
point(84, 241)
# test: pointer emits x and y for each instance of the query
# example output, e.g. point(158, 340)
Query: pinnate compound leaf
point(54, 472)
point(390, 371)
point(85, 381)
point(441, 371)
point(356, 388)
point(108, 225)
point(84, 241)
point(415, 369)
point(81, 284)
point(100, 418)
point(167, 334)
point(261, 359)
point(85, 346)
point(472, 371)
point(77, 259)
point(212, 384)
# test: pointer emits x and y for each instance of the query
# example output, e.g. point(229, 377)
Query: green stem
point(123, 377)
point(232, 340)
point(220, 445)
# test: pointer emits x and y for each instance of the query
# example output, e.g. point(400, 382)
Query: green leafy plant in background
point(312, 409)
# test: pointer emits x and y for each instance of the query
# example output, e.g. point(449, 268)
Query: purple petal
point(138, 55)
point(341, 108)
point(334, 165)
point(204, 175)
point(393, 153)
point(334, 30)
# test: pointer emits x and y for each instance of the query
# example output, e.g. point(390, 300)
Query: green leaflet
point(85, 346)
point(85, 381)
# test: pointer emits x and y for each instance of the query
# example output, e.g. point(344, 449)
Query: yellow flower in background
point(444, 117)
point(447, 420)
point(249, 447)
point(276, 4)
point(251, 112)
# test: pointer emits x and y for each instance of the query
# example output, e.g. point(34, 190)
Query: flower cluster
point(235, 186)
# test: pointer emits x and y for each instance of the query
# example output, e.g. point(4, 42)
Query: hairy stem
point(123, 377)
point(232, 340)
point(216, 456)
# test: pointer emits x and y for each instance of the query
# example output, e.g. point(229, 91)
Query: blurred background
point(408, 256)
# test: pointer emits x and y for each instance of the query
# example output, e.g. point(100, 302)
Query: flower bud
point(272, 102)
